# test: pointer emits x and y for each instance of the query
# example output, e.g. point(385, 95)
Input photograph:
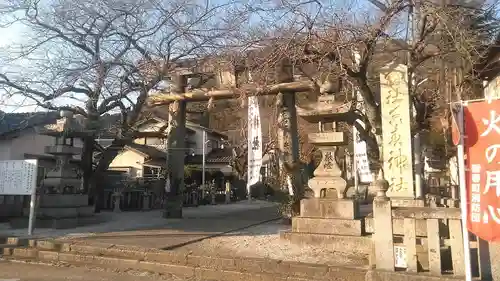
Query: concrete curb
point(195, 267)
point(185, 265)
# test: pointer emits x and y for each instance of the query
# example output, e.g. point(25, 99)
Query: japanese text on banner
point(482, 131)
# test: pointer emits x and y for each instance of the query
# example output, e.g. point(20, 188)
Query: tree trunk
point(87, 160)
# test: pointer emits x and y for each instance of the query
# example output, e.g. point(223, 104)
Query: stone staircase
point(336, 224)
point(178, 264)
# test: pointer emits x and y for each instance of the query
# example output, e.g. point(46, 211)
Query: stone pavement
point(150, 230)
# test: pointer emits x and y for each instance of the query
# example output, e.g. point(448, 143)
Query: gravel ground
point(263, 241)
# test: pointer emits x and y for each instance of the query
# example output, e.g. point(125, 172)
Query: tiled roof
point(14, 122)
point(195, 119)
point(109, 123)
point(149, 151)
point(215, 156)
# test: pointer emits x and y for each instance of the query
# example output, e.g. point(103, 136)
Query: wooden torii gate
point(178, 98)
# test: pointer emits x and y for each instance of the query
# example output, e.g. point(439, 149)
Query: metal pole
point(204, 141)
point(463, 194)
point(412, 85)
point(167, 169)
point(32, 216)
point(354, 158)
point(418, 167)
point(355, 92)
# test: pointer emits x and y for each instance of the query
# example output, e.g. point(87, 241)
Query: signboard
point(254, 141)
point(360, 149)
point(396, 134)
point(400, 257)
point(18, 177)
point(482, 142)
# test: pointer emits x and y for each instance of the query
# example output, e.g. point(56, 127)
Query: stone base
point(356, 245)
point(329, 208)
point(59, 211)
point(407, 202)
point(331, 223)
point(62, 212)
point(63, 200)
point(56, 223)
point(350, 227)
point(173, 209)
point(320, 184)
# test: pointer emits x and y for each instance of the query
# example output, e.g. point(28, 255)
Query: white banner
point(360, 150)
point(18, 177)
point(254, 141)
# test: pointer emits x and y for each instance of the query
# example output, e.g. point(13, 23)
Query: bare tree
point(231, 117)
point(94, 58)
point(320, 39)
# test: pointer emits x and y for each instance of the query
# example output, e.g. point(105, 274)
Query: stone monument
point(328, 217)
point(397, 138)
point(61, 202)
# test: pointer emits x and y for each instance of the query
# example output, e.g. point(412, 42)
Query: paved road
point(140, 229)
point(130, 221)
point(37, 272)
point(181, 232)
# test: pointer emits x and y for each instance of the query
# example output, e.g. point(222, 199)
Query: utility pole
point(417, 151)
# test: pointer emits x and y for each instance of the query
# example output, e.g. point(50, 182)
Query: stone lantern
point(328, 215)
point(62, 203)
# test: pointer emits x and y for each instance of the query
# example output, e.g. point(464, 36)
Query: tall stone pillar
point(287, 120)
point(396, 134)
point(176, 152)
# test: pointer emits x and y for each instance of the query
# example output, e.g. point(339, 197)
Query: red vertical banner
point(482, 142)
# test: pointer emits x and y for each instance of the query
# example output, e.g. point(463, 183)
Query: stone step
point(185, 265)
point(355, 245)
point(183, 272)
point(11, 243)
point(15, 241)
point(350, 227)
point(329, 208)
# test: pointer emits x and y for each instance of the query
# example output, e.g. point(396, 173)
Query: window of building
point(151, 172)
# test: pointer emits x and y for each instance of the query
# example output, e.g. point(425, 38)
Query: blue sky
point(14, 34)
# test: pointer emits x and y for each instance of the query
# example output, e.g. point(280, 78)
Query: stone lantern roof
point(326, 109)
